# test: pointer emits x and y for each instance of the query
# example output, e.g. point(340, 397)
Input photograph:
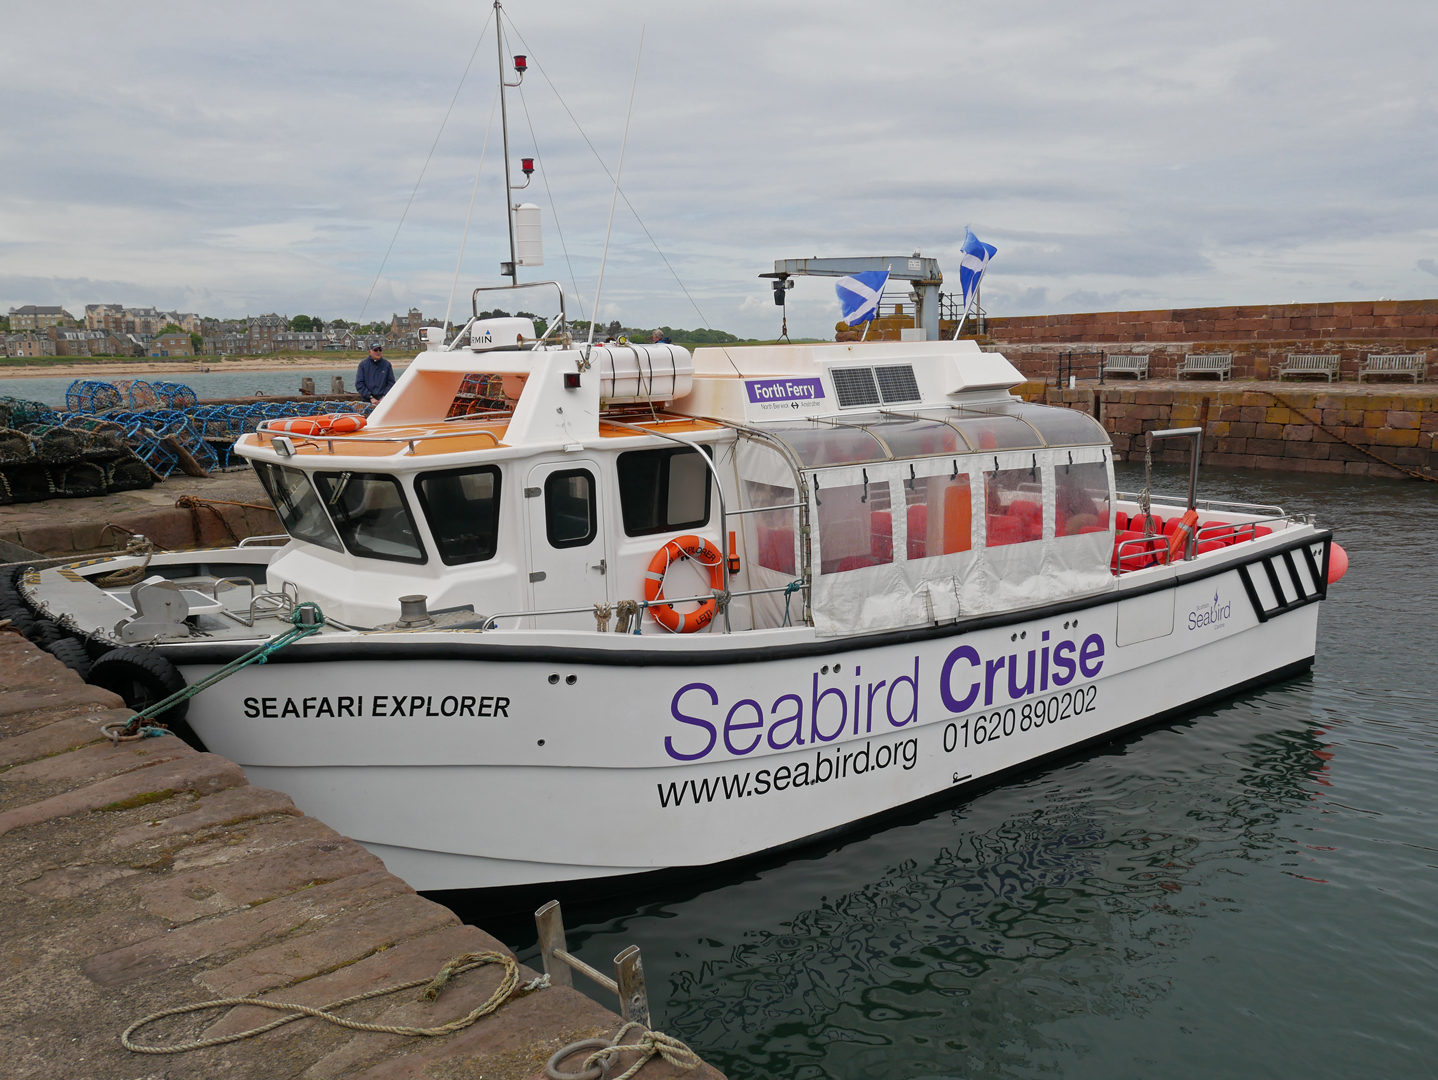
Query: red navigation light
point(527, 165)
point(521, 64)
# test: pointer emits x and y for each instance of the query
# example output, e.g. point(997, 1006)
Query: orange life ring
point(683, 547)
point(1178, 542)
point(334, 423)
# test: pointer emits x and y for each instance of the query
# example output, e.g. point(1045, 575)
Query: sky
point(238, 158)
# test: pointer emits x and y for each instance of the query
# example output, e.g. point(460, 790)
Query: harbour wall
point(147, 875)
point(1260, 337)
point(1303, 427)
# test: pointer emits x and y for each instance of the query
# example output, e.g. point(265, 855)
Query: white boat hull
point(496, 773)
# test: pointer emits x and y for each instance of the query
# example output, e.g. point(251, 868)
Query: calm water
point(228, 384)
point(1250, 892)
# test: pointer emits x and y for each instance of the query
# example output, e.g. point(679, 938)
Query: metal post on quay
point(628, 984)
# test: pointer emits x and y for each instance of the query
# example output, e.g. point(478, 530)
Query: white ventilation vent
point(894, 385)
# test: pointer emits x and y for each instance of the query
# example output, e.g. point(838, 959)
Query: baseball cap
point(376, 345)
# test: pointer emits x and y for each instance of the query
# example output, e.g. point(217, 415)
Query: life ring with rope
point(698, 550)
point(329, 424)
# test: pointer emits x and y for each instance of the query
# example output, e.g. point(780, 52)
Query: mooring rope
point(649, 1044)
point(433, 987)
point(145, 718)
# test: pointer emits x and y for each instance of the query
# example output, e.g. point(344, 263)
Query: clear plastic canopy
point(861, 438)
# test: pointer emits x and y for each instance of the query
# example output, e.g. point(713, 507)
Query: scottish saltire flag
point(972, 266)
point(859, 295)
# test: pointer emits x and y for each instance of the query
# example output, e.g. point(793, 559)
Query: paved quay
point(147, 876)
point(237, 507)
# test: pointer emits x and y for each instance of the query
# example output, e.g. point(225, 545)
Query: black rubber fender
point(20, 619)
point(141, 677)
point(45, 633)
point(72, 654)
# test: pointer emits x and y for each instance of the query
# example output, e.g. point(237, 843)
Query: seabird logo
point(1212, 615)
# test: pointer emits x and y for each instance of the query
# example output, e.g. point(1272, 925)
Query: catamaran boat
point(660, 610)
point(560, 611)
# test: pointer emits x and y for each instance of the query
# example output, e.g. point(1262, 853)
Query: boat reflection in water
point(988, 937)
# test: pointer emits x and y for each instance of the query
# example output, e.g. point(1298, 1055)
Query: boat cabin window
point(856, 527)
point(570, 517)
point(940, 514)
point(1014, 505)
point(370, 511)
point(1081, 498)
point(662, 490)
point(773, 531)
point(300, 511)
point(462, 508)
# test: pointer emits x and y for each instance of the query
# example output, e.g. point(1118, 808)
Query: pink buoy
point(1337, 563)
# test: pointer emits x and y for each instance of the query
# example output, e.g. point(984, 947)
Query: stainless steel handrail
point(643, 604)
point(263, 429)
point(249, 540)
point(1206, 504)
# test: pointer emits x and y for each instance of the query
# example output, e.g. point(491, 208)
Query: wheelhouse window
point(371, 514)
point(662, 490)
point(1081, 499)
point(300, 510)
point(856, 527)
point(462, 508)
point(1014, 506)
point(570, 516)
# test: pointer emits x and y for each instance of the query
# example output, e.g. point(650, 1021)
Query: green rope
point(258, 655)
point(790, 590)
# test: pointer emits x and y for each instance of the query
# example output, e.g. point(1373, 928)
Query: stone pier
point(146, 876)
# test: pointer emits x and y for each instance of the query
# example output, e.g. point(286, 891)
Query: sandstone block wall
point(1260, 337)
point(1250, 429)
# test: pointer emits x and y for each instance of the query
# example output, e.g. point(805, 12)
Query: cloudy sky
point(233, 158)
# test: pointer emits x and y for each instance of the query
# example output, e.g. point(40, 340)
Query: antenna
point(521, 64)
point(594, 311)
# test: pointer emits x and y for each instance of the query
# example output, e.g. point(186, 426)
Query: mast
point(511, 268)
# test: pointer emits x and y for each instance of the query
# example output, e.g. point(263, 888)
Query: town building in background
point(145, 321)
point(90, 343)
point(403, 324)
point(299, 341)
point(33, 317)
point(172, 344)
point(262, 331)
point(31, 346)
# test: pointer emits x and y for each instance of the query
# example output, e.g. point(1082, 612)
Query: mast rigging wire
point(613, 199)
point(554, 210)
point(579, 127)
point(463, 240)
point(368, 296)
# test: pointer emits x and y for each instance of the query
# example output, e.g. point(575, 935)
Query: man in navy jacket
point(375, 375)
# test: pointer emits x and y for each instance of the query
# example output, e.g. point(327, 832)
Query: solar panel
point(855, 386)
point(898, 384)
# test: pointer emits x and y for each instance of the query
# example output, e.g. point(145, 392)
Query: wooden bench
point(1414, 364)
point(1219, 363)
point(1135, 364)
point(1309, 364)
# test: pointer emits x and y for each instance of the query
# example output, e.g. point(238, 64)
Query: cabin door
point(568, 557)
